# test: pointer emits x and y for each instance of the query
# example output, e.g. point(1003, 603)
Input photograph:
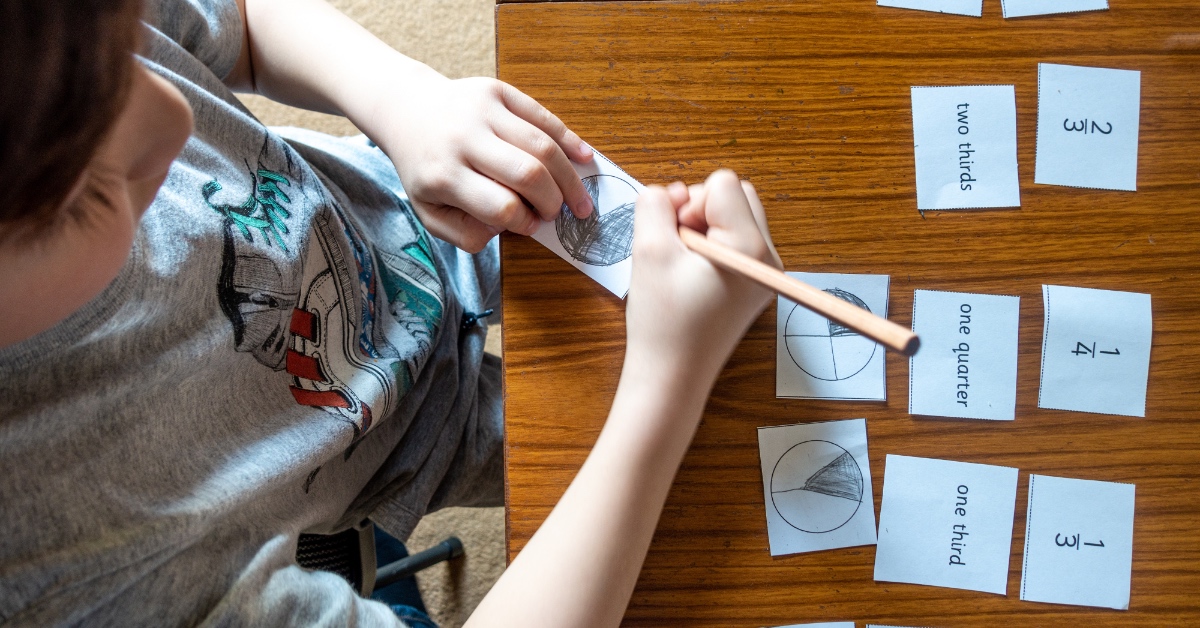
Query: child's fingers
point(565, 183)
point(455, 226)
point(520, 172)
point(529, 110)
point(654, 224)
point(489, 202)
point(692, 212)
point(760, 218)
point(730, 217)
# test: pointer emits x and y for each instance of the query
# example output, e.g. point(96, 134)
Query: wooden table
point(810, 100)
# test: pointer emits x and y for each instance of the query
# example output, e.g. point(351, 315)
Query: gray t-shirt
point(282, 352)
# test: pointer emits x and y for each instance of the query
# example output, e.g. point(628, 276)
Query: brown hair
point(65, 71)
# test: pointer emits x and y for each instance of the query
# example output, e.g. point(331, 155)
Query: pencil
point(862, 321)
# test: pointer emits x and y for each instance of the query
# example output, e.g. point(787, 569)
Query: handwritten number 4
point(1082, 349)
point(1083, 126)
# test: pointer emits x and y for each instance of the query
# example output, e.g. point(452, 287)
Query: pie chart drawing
point(816, 486)
point(605, 237)
point(823, 349)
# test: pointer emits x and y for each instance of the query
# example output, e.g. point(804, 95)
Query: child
point(216, 337)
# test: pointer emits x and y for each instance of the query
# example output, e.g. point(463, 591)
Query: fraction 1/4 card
point(1095, 350)
point(1078, 542)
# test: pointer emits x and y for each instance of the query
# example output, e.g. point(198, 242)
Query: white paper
point(1078, 542)
point(817, 486)
point(1095, 350)
point(967, 365)
point(946, 524)
point(600, 245)
point(965, 140)
point(1087, 127)
point(823, 624)
point(973, 8)
point(1022, 8)
point(819, 359)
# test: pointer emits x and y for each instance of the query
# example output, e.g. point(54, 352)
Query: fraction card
point(1087, 135)
point(973, 8)
point(823, 624)
point(1022, 8)
point(600, 245)
point(946, 524)
point(965, 140)
point(817, 358)
point(1078, 542)
point(1095, 350)
point(817, 486)
point(967, 365)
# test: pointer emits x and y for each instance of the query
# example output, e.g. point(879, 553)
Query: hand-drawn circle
point(823, 349)
point(605, 237)
point(816, 486)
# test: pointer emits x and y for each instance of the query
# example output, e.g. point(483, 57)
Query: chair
point(352, 555)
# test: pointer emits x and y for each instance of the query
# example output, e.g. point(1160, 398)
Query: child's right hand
point(684, 314)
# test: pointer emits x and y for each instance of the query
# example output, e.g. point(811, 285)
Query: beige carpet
point(457, 38)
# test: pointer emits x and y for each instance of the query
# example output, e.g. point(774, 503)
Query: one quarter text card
point(1087, 134)
point(965, 140)
point(1078, 542)
point(817, 358)
point(1023, 8)
point(600, 245)
point(946, 524)
point(817, 486)
point(1095, 350)
point(967, 365)
point(972, 8)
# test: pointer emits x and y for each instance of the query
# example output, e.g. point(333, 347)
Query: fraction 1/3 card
point(1078, 542)
point(1095, 350)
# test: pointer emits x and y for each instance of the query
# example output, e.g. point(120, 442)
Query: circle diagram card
point(1078, 542)
point(972, 8)
point(1087, 135)
point(817, 486)
point(965, 140)
point(817, 358)
point(946, 524)
point(1095, 350)
point(967, 365)
point(1023, 8)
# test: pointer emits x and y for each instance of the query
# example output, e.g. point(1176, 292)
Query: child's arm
point(684, 317)
point(470, 152)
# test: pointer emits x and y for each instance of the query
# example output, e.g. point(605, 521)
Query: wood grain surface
point(810, 101)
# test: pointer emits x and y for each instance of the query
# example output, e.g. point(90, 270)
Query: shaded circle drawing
point(824, 349)
point(816, 486)
point(605, 237)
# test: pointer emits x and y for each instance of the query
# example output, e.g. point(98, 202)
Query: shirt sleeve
point(209, 30)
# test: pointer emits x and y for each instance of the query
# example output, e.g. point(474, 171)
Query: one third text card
point(1087, 134)
point(1095, 350)
point(946, 524)
point(965, 140)
point(967, 365)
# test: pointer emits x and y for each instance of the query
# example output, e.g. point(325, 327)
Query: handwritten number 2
point(1082, 126)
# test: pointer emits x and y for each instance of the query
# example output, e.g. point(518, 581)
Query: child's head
point(84, 128)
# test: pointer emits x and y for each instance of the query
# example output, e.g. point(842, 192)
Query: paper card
point(600, 245)
point(946, 524)
point(1087, 127)
point(1095, 350)
point(973, 8)
point(817, 486)
point(965, 139)
point(967, 365)
point(1022, 8)
point(1078, 542)
point(817, 358)
point(823, 624)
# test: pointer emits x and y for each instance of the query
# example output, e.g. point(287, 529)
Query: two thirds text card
point(965, 140)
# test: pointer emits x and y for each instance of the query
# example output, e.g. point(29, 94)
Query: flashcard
point(824, 624)
point(1087, 134)
point(1078, 542)
point(817, 358)
point(967, 365)
point(946, 524)
point(1095, 350)
point(1022, 8)
point(973, 8)
point(817, 486)
point(965, 139)
point(600, 245)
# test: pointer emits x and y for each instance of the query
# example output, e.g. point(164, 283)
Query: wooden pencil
point(864, 322)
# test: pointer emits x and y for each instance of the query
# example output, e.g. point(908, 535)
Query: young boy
point(215, 336)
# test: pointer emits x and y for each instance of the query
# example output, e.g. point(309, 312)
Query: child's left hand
point(478, 157)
